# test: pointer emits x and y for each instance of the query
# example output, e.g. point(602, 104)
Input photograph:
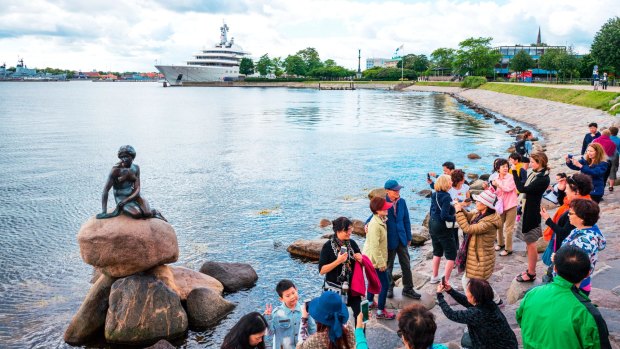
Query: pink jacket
point(507, 191)
point(608, 145)
point(358, 284)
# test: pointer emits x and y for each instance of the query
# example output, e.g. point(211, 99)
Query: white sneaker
point(435, 280)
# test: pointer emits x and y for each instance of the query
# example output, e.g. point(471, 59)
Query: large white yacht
point(217, 64)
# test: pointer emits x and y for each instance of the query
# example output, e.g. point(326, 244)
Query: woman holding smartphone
point(337, 261)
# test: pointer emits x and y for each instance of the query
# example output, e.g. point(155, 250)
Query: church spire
point(538, 40)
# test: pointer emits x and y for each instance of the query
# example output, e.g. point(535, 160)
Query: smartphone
point(343, 250)
point(570, 156)
point(443, 281)
point(467, 200)
point(428, 176)
point(364, 306)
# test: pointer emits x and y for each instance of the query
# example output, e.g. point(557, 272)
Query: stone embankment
point(136, 298)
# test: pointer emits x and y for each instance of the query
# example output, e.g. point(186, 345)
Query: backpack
point(520, 147)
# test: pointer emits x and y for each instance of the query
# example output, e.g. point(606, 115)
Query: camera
point(570, 156)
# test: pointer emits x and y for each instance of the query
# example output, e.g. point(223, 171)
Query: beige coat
point(480, 252)
point(375, 246)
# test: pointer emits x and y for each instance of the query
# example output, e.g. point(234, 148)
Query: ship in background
point(220, 63)
point(23, 73)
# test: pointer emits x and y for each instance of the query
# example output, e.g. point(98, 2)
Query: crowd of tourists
point(470, 233)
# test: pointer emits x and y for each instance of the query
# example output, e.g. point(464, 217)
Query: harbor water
point(240, 173)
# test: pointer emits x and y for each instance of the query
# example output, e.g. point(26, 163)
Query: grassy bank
point(591, 99)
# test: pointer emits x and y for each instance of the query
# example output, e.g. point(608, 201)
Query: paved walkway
point(562, 127)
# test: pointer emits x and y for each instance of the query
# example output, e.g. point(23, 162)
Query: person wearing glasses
point(337, 262)
point(248, 333)
point(577, 186)
point(416, 327)
point(584, 214)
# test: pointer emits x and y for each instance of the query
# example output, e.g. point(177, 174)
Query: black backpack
point(520, 147)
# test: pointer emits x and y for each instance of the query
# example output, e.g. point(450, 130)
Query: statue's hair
point(127, 149)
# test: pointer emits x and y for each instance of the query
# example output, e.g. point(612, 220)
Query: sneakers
point(435, 280)
point(411, 294)
point(373, 305)
point(390, 293)
point(386, 315)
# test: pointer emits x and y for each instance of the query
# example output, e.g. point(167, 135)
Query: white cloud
point(131, 35)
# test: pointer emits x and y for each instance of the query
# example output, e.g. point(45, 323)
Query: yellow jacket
point(375, 246)
point(480, 251)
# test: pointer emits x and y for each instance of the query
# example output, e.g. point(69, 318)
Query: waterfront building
point(534, 50)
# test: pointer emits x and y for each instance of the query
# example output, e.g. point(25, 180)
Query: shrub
point(473, 81)
point(280, 79)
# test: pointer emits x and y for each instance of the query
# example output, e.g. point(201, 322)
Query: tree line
point(304, 63)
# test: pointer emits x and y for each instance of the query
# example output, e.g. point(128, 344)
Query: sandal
point(611, 188)
point(531, 277)
point(505, 253)
point(499, 247)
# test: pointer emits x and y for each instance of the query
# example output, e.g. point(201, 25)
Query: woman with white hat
point(481, 228)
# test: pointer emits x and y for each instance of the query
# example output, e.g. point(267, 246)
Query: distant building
point(534, 50)
point(376, 62)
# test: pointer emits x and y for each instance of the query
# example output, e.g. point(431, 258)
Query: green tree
point(442, 58)
point(246, 67)
point(548, 60)
point(295, 65)
point(329, 63)
point(310, 57)
point(605, 48)
point(566, 62)
point(277, 63)
point(418, 63)
point(585, 65)
point(522, 61)
point(476, 57)
point(263, 65)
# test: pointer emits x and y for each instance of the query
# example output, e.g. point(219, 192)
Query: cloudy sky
point(124, 35)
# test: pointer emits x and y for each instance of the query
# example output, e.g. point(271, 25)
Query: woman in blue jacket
point(594, 164)
point(442, 212)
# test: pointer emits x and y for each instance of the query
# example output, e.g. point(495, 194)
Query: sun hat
point(392, 185)
point(329, 310)
point(487, 198)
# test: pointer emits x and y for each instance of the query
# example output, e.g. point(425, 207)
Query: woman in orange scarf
point(577, 186)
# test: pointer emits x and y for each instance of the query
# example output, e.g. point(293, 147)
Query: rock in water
point(90, 318)
point(425, 193)
point(187, 280)
point(142, 311)
point(324, 223)
point(473, 156)
point(162, 344)
point(122, 246)
point(234, 276)
point(380, 192)
point(358, 228)
point(310, 249)
point(419, 235)
point(206, 307)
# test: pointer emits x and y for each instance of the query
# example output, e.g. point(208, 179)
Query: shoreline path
point(562, 127)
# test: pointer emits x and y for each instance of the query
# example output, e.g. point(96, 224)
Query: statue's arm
point(106, 190)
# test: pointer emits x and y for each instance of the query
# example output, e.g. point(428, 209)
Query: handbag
point(449, 225)
point(461, 254)
point(546, 257)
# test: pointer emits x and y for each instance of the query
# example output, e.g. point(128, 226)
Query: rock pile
point(136, 298)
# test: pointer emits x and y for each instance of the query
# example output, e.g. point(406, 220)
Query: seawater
point(213, 161)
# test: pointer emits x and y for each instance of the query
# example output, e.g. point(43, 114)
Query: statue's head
point(127, 150)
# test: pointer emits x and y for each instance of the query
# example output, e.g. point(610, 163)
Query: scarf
point(346, 266)
point(548, 233)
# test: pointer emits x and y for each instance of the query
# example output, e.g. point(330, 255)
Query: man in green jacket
point(558, 315)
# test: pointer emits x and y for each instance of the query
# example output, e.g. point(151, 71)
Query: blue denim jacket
point(284, 325)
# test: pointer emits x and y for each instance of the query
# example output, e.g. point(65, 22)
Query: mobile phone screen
point(364, 306)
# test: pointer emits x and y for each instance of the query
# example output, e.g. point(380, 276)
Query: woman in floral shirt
point(584, 214)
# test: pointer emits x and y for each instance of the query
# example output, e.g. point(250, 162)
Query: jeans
point(385, 285)
point(405, 266)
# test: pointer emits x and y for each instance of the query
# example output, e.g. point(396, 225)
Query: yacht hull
point(177, 74)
